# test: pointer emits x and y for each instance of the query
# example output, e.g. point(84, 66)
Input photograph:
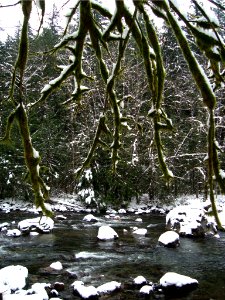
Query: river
point(74, 243)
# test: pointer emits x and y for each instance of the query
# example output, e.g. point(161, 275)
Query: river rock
point(176, 284)
point(59, 286)
point(90, 218)
point(140, 231)
point(85, 292)
point(139, 281)
point(13, 232)
point(57, 266)
point(41, 224)
point(40, 290)
point(122, 211)
point(108, 287)
point(147, 289)
point(190, 221)
point(106, 233)
point(4, 226)
point(13, 277)
point(169, 239)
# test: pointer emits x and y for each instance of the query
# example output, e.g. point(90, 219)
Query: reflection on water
point(74, 243)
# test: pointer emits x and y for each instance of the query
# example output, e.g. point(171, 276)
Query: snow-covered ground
point(187, 215)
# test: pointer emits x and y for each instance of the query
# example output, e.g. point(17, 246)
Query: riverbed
point(74, 243)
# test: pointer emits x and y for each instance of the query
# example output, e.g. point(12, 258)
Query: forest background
point(63, 131)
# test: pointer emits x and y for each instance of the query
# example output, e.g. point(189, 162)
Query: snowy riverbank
point(190, 212)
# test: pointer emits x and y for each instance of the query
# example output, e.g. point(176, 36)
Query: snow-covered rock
point(176, 283)
point(122, 211)
point(138, 220)
point(56, 266)
point(146, 289)
point(140, 280)
point(90, 218)
point(13, 232)
point(85, 292)
point(13, 277)
point(188, 220)
point(169, 239)
point(4, 226)
point(106, 233)
point(39, 289)
point(42, 224)
point(22, 297)
point(108, 287)
point(60, 217)
point(140, 231)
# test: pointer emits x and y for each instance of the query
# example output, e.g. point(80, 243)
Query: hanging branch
point(207, 95)
point(22, 57)
point(75, 68)
point(155, 76)
point(10, 5)
point(102, 128)
point(41, 3)
point(19, 116)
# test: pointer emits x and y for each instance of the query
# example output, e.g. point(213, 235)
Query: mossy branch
point(209, 100)
point(197, 72)
point(212, 167)
point(22, 57)
point(6, 139)
point(102, 128)
point(32, 160)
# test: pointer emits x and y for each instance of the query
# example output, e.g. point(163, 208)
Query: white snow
point(138, 220)
point(105, 232)
point(146, 289)
point(108, 287)
point(45, 224)
point(172, 278)
point(140, 231)
point(46, 88)
point(90, 218)
point(13, 232)
point(140, 280)
point(35, 153)
point(84, 291)
point(222, 173)
point(39, 289)
point(168, 237)
point(86, 255)
point(56, 265)
point(13, 277)
point(122, 211)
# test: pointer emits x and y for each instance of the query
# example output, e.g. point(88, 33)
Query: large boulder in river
point(169, 239)
point(41, 224)
point(190, 221)
point(177, 284)
point(106, 233)
point(13, 278)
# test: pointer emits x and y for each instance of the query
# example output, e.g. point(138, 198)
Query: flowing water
point(75, 244)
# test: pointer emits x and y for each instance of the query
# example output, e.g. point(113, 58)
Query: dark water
point(121, 260)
